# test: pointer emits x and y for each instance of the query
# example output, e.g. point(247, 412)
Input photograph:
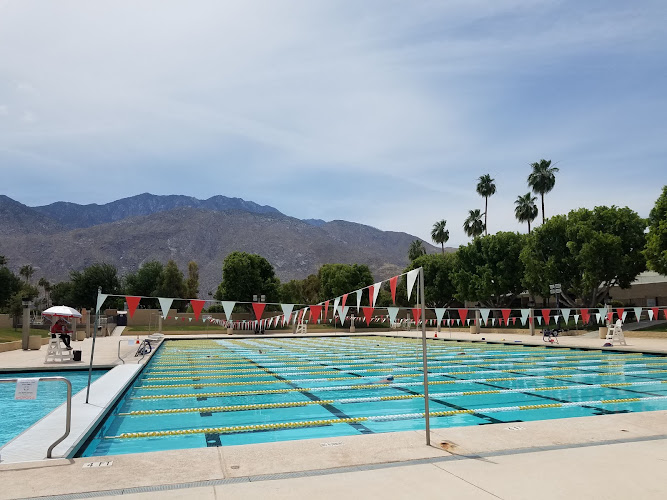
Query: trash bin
point(77, 355)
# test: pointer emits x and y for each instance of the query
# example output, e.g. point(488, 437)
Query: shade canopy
point(62, 311)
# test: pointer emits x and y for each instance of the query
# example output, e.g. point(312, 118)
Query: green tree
point(9, 285)
point(440, 233)
point(46, 286)
point(338, 279)
point(473, 225)
point(245, 275)
point(26, 291)
point(62, 293)
point(172, 283)
point(3, 261)
point(192, 283)
point(587, 252)
point(416, 249)
point(292, 292)
point(656, 240)
point(439, 290)
point(488, 270)
point(525, 210)
point(86, 282)
point(542, 179)
point(27, 271)
point(485, 188)
point(146, 281)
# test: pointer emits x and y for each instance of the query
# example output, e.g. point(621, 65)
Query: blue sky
point(381, 112)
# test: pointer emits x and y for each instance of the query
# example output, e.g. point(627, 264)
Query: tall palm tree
point(525, 210)
point(416, 250)
point(542, 179)
point(486, 188)
point(46, 285)
point(473, 225)
point(27, 271)
point(439, 234)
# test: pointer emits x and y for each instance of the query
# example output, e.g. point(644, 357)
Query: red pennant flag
point(664, 313)
point(514, 321)
point(182, 319)
point(315, 312)
point(610, 317)
point(259, 309)
point(132, 303)
point(343, 301)
point(368, 314)
point(371, 289)
point(655, 313)
point(619, 312)
point(506, 315)
point(585, 316)
point(326, 309)
point(416, 313)
point(530, 320)
point(392, 286)
point(462, 314)
point(197, 306)
point(546, 313)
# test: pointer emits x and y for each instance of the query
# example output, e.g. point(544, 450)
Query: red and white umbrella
point(62, 312)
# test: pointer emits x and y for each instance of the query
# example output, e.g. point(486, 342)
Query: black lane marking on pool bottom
point(330, 408)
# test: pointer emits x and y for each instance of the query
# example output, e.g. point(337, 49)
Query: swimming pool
point(200, 393)
point(17, 416)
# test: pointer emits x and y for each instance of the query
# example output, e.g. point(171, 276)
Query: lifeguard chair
point(615, 333)
point(56, 352)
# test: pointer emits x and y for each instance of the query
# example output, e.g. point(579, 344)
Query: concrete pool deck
point(607, 456)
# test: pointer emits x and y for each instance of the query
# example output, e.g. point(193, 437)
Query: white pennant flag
point(359, 292)
point(412, 276)
point(539, 320)
point(638, 313)
point(335, 306)
point(625, 313)
point(439, 313)
point(101, 297)
point(458, 321)
point(650, 314)
point(566, 315)
point(393, 311)
point(597, 317)
point(485, 314)
point(602, 314)
point(524, 316)
point(576, 319)
point(287, 311)
point(556, 317)
point(342, 314)
point(228, 306)
point(376, 291)
point(165, 305)
point(467, 321)
point(493, 321)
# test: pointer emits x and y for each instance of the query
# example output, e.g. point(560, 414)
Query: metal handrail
point(68, 420)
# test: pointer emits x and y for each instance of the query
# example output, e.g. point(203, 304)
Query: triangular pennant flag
point(412, 276)
point(524, 316)
point(664, 313)
point(514, 320)
point(602, 312)
point(392, 287)
point(176, 318)
point(556, 318)
point(493, 321)
point(359, 293)
point(619, 313)
point(344, 299)
point(610, 317)
point(287, 311)
point(652, 313)
point(539, 320)
point(376, 292)
point(506, 315)
point(197, 306)
point(315, 313)
point(371, 289)
point(342, 314)
point(597, 317)
point(467, 321)
point(393, 311)
point(101, 297)
point(638, 313)
point(165, 305)
point(416, 313)
point(228, 306)
point(545, 314)
point(326, 309)
point(463, 313)
point(439, 313)
point(368, 314)
point(566, 315)
point(190, 320)
point(585, 316)
point(485, 314)
point(576, 319)
point(335, 306)
point(258, 308)
point(132, 303)
point(625, 313)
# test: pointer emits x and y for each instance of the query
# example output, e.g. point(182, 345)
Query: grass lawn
point(9, 334)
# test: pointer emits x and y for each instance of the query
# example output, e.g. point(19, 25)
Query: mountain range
point(61, 237)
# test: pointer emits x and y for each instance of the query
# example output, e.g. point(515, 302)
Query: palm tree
point(542, 179)
point(416, 250)
point(473, 225)
point(46, 285)
point(486, 188)
point(439, 234)
point(27, 271)
point(525, 210)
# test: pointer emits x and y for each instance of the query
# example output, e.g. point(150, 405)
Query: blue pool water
point(201, 393)
point(17, 416)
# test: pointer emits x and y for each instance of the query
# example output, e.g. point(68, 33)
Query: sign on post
point(26, 388)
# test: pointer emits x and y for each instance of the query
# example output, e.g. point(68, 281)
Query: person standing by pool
point(60, 327)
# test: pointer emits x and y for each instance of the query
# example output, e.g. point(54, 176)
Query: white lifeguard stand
point(301, 328)
point(56, 352)
point(615, 333)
